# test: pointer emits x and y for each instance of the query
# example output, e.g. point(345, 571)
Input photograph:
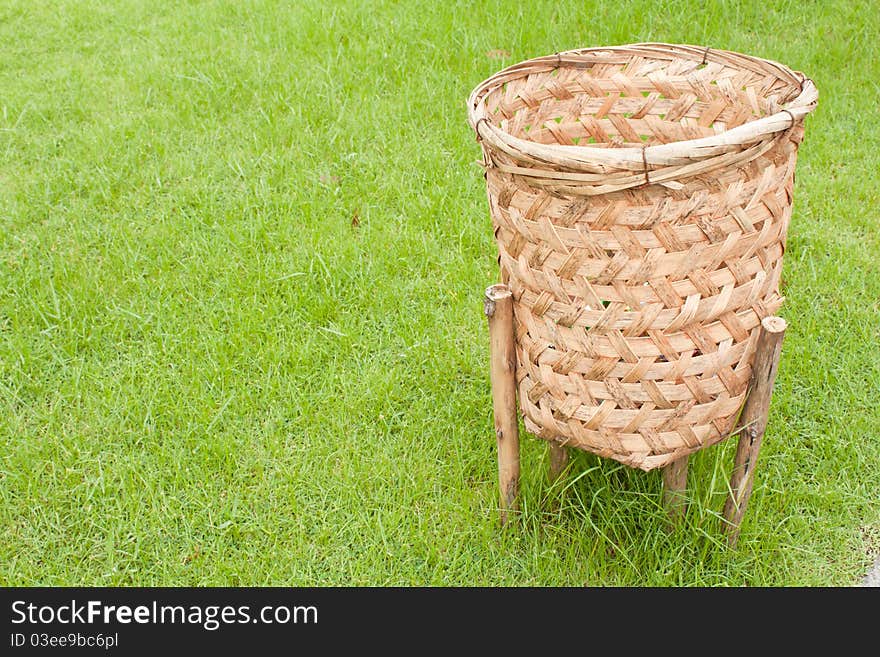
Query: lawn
point(242, 254)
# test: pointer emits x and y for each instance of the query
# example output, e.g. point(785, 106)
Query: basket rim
point(592, 159)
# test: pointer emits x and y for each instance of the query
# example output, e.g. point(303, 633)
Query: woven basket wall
point(640, 197)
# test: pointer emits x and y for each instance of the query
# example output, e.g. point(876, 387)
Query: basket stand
point(498, 307)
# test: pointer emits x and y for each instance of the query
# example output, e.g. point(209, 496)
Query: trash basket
point(640, 197)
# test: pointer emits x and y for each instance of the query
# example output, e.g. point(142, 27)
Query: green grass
point(209, 375)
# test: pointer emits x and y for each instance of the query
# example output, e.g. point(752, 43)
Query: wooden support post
point(498, 305)
point(558, 460)
point(753, 422)
point(674, 489)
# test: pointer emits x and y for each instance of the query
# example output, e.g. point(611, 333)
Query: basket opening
point(635, 103)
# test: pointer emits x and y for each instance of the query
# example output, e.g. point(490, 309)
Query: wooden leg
point(499, 309)
point(753, 422)
point(558, 460)
point(674, 489)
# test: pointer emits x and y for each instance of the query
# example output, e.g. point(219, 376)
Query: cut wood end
point(497, 292)
point(774, 324)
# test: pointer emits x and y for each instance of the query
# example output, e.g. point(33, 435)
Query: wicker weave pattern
point(640, 197)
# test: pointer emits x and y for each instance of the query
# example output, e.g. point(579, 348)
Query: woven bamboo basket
point(640, 197)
